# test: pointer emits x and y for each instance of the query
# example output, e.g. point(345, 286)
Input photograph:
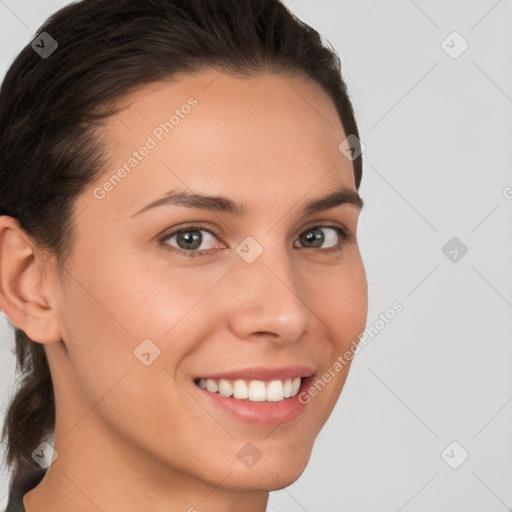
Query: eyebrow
point(224, 205)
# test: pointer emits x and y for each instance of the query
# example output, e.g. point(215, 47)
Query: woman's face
point(247, 295)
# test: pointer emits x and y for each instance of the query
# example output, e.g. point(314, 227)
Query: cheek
point(340, 299)
point(119, 317)
point(104, 326)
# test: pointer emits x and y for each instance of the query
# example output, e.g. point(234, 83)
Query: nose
point(267, 299)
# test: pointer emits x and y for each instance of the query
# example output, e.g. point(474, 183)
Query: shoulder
point(21, 485)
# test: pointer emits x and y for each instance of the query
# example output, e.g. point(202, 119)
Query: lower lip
point(260, 413)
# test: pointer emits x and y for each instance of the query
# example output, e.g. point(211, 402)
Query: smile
point(252, 390)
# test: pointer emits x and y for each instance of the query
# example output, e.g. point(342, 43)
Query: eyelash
point(345, 236)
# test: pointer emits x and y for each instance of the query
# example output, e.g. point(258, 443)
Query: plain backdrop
point(424, 422)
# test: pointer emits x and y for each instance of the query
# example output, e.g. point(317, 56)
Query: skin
point(128, 436)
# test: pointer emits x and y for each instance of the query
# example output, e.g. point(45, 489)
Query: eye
point(315, 236)
point(189, 239)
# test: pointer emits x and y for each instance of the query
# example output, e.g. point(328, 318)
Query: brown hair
point(50, 106)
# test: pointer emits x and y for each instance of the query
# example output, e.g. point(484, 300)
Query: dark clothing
point(22, 486)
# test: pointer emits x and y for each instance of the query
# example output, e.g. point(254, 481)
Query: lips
point(261, 373)
point(267, 403)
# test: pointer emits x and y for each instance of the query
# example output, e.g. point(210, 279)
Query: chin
point(271, 473)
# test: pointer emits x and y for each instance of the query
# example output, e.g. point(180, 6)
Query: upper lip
point(262, 373)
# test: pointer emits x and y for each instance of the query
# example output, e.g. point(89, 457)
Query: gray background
point(437, 164)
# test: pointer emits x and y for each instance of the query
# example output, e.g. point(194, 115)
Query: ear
point(23, 295)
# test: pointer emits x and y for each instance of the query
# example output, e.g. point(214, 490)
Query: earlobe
point(22, 294)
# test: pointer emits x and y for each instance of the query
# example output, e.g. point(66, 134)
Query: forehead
point(216, 133)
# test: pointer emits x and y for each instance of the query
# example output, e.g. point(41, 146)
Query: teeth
point(287, 391)
point(257, 391)
point(275, 391)
point(295, 386)
point(254, 390)
point(240, 389)
point(225, 388)
point(211, 385)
